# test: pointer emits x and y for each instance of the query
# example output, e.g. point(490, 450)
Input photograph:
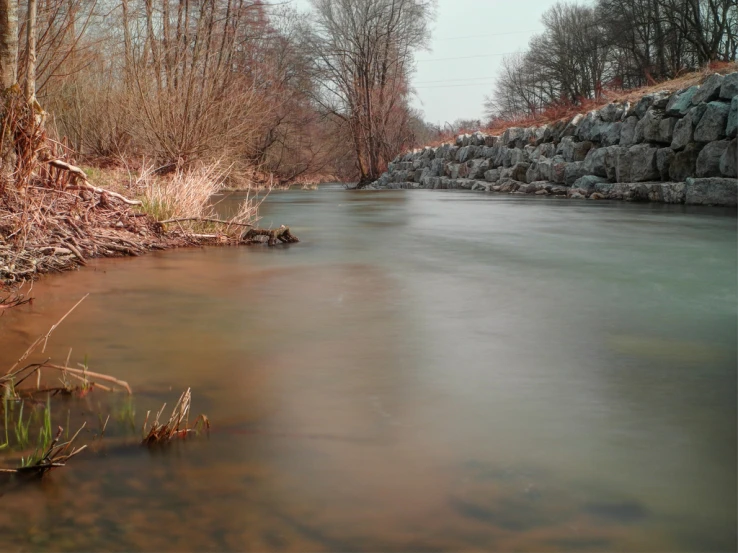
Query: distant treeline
point(612, 44)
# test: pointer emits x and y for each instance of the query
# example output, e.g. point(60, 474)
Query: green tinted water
point(424, 371)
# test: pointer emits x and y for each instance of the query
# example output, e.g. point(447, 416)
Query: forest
point(278, 96)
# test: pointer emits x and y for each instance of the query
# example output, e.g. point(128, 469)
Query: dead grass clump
point(177, 426)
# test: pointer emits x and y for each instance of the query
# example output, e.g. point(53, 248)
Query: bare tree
point(8, 43)
point(362, 54)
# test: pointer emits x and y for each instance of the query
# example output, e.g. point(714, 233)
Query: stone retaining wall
point(669, 147)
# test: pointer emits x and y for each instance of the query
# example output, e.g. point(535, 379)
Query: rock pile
point(668, 147)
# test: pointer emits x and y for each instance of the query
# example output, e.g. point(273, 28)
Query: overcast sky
point(467, 41)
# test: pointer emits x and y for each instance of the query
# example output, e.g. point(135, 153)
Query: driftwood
point(82, 184)
point(282, 234)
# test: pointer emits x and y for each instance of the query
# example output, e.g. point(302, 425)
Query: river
point(426, 371)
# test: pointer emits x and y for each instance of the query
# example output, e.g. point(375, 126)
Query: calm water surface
point(424, 371)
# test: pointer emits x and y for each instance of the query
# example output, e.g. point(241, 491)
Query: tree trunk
point(8, 43)
point(30, 90)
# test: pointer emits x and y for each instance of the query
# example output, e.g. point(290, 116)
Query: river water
point(426, 370)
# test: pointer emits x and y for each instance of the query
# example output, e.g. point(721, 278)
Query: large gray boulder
point(657, 100)
point(711, 191)
point(519, 170)
point(664, 158)
point(543, 150)
point(731, 128)
point(586, 128)
point(493, 175)
point(464, 153)
point(713, 123)
point(643, 165)
point(477, 168)
point(571, 126)
point(557, 173)
point(518, 156)
point(683, 133)
point(573, 171)
point(581, 149)
point(627, 131)
point(611, 134)
point(681, 102)
point(673, 192)
point(654, 127)
point(533, 174)
point(612, 113)
point(709, 91)
point(588, 183)
point(623, 163)
point(684, 163)
point(513, 137)
point(595, 162)
point(729, 160)
point(729, 88)
point(708, 160)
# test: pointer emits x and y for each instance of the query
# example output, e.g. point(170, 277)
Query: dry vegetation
point(28, 386)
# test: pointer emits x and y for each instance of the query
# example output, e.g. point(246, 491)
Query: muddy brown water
point(425, 371)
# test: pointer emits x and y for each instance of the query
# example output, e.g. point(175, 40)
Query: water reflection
point(429, 372)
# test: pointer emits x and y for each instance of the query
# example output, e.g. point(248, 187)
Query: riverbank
point(668, 146)
point(54, 223)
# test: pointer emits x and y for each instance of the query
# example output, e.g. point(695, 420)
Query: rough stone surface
point(684, 163)
point(708, 160)
point(623, 163)
point(729, 88)
point(683, 133)
point(573, 171)
point(664, 158)
point(519, 170)
point(595, 162)
point(647, 128)
point(709, 90)
point(731, 128)
point(617, 152)
point(673, 192)
point(587, 183)
point(680, 103)
point(711, 191)
point(493, 175)
point(611, 135)
point(612, 113)
point(643, 163)
point(558, 170)
point(729, 160)
point(713, 123)
point(627, 131)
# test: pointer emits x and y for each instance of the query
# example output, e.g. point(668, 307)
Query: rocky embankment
point(668, 147)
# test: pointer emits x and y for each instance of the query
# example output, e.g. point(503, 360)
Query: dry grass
point(178, 424)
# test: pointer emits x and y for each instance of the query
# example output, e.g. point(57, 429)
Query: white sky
point(450, 89)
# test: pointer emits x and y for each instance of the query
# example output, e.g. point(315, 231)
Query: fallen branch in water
point(282, 234)
point(13, 301)
point(16, 375)
point(205, 220)
point(55, 456)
